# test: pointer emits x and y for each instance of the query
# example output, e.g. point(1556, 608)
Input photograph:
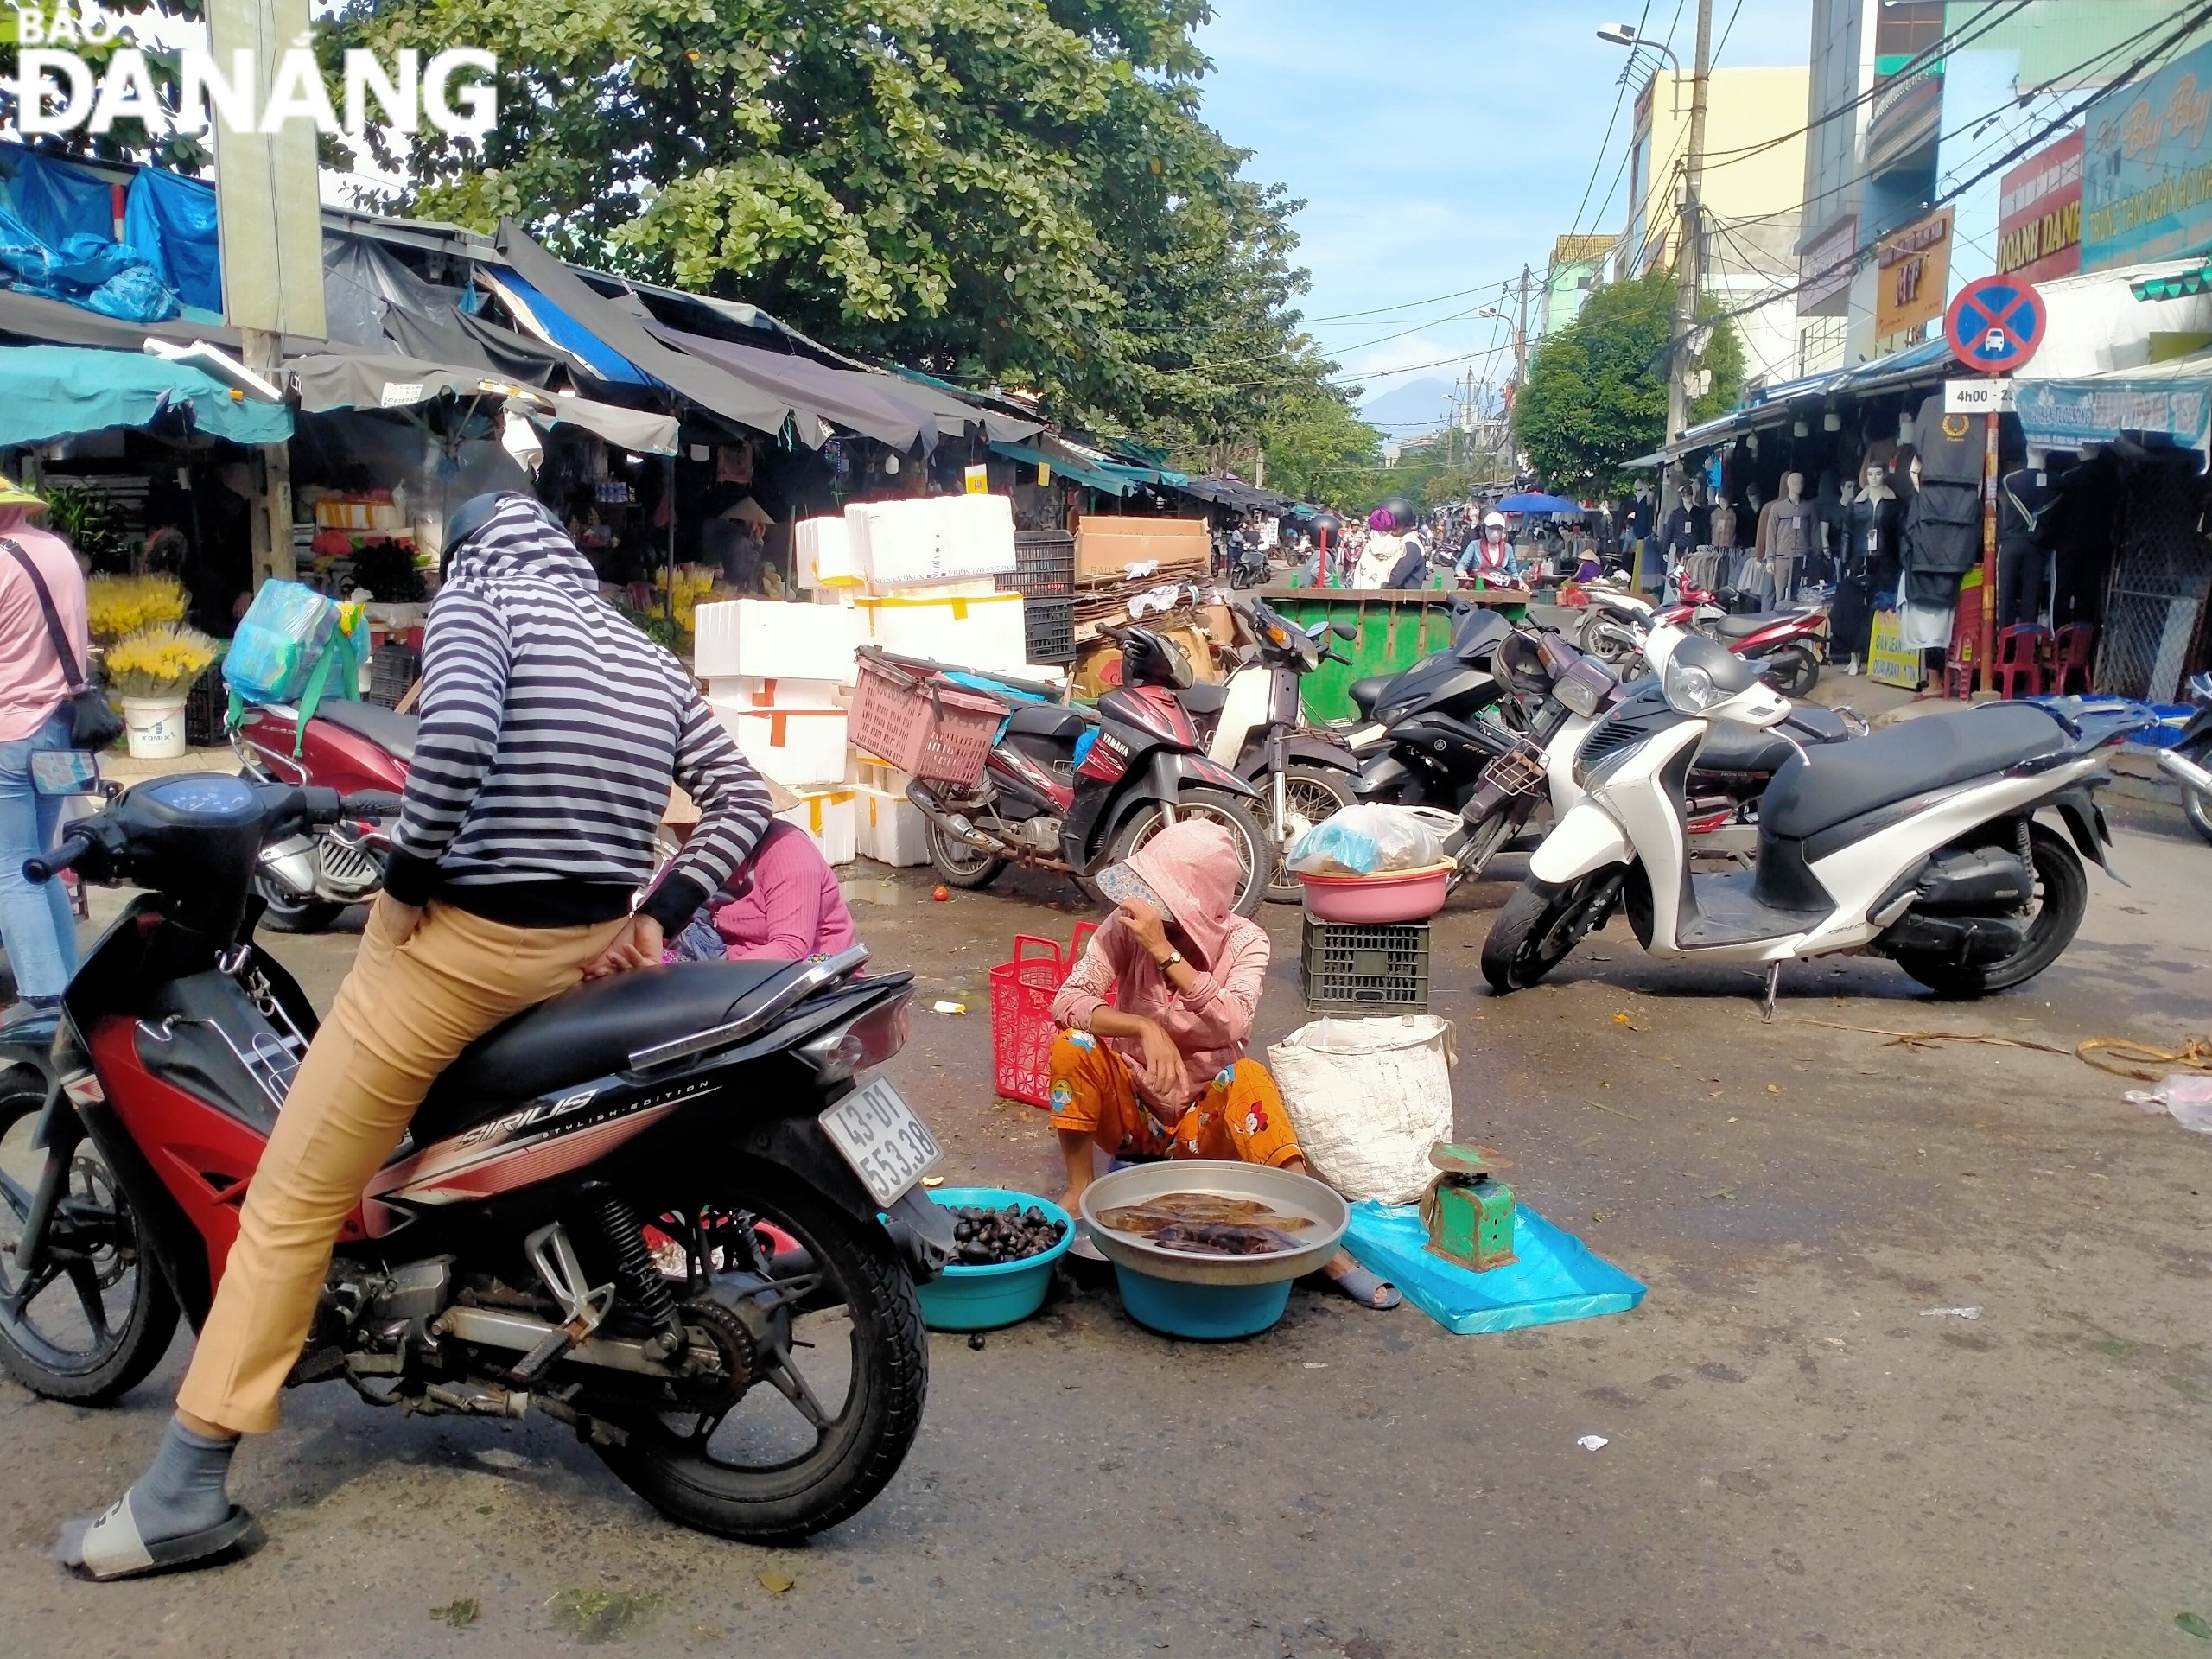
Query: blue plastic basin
point(1204, 1313)
point(1005, 1293)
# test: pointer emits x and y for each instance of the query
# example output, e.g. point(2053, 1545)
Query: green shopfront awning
point(1067, 465)
point(58, 391)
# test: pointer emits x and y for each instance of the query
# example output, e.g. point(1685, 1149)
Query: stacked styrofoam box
point(827, 813)
point(760, 691)
point(774, 671)
point(795, 746)
point(774, 639)
point(824, 557)
point(960, 624)
point(892, 829)
point(931, 540)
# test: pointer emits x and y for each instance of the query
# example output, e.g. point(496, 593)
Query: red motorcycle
point(1786, 644)
point(306, 879)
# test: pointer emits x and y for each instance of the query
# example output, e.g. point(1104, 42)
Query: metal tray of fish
point(1321, 1216)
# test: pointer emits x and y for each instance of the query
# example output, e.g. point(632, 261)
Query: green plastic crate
point(1359, 968)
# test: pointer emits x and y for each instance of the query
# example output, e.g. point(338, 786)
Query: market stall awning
point(1536, 501)
point(953, 411)
point(609, 326)
point(337, 381)
point(57, 391)
point(1066, 466)
point(559, 329)
point(2171, 399)
point(875, 406)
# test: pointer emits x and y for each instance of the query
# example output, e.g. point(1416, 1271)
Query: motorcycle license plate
point(883, 1139)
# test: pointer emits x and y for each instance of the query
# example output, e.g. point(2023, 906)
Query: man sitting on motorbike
point(551, 729)
point(1160, 1071)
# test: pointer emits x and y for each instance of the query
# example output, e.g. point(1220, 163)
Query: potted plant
point(151, 671)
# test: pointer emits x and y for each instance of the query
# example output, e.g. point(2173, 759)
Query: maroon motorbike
point(307, 878)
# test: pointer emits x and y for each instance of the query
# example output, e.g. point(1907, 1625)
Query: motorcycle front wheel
point(2195, 803)
point(1309, 794)
point(97, 1315)
point(1254, 854)
point(1540, 924)
point(835, 1396)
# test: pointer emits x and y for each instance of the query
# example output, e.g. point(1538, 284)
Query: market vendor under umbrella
point(1150, 1063)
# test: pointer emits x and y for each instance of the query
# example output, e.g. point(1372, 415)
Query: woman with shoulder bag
point(41, 618)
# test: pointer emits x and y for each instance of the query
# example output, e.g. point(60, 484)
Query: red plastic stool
point(2019, 657)
point(2070, 654)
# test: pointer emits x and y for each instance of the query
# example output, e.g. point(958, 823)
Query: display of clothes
point(2024, 496)
point(1828, 507)
point(1942, 531)
point(1866, 570)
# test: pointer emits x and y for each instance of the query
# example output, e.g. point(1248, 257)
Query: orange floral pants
point(1239, 1118)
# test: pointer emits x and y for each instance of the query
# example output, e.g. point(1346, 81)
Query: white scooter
point(1920, 843)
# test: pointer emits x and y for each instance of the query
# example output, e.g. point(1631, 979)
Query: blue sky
point(1440, 144)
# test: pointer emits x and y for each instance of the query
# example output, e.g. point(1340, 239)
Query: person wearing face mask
point(1487, 561)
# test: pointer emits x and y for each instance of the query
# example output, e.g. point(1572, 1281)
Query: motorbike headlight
point(1690, 689)
point(870, 1039)
point(1578, 694)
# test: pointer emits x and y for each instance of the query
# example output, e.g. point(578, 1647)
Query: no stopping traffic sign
point(1995, 323)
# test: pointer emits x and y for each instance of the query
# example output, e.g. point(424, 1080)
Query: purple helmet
point(1383, 519)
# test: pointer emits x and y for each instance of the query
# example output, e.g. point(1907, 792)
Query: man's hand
point(1147, 926)
point(638, 945)
point(1164, 1072)
point(398, 921)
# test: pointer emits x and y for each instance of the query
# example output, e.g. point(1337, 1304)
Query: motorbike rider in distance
point(1487, 561)
point(551, 730)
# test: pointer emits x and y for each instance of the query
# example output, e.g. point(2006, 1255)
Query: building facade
point(1577, 265)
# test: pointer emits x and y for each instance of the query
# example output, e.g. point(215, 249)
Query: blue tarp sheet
point(171, 220)
point(1556, 1279)
point(58, 201)
point(572, 336)
point(53, 392)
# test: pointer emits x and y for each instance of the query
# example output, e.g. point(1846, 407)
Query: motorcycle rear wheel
point(94, 1321)
point(286, 914)
point(959, 865)
point(1794, 670)
point(857, 1450)
point(1254, 850)
point(2061, 889)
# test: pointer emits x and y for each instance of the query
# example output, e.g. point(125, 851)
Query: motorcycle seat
point(1848, 780)
point(582, 1034)
point(1740, 627)
point(1366, 693)
point(1052, 720)
point(392, 732)
point(1203, 697)
point(1732, 747)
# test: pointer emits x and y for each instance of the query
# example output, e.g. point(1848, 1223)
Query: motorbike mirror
point(1344, 630)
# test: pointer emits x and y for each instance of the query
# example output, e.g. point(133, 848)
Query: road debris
point(1593, 1442)
point(1950, 1312)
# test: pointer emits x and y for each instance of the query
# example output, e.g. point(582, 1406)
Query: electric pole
point(1521, 329)
point(1689, 256)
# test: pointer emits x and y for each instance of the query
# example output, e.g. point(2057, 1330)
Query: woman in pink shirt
point(1151, 1061)
point(782, 905)
point(35, 921)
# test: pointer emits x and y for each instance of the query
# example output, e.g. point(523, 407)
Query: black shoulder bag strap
point(70, 671)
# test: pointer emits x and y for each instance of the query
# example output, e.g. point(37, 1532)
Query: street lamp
point(1625, 35)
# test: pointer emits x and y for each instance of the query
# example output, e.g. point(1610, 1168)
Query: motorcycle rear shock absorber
point(642, 1284)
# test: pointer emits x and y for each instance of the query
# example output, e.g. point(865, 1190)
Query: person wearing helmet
point(1384, 550)
point(1487, 561)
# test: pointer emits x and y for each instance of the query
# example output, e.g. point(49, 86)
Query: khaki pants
point(401, 1017)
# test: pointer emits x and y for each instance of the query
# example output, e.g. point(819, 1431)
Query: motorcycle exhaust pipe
point(964, 828)
point(2183, 770)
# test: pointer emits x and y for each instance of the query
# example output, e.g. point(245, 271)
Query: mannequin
point(1868, 567)
point(1828, 507)
point(2024, 496)
point(1788, 534)
point(1724, 524)
point(1679, 538)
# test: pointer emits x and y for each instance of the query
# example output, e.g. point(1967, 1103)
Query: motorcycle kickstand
point(1773, 984)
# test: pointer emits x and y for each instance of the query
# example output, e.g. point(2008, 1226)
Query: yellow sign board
point(1890, 663)
point(979, 479)
point(1912, 275)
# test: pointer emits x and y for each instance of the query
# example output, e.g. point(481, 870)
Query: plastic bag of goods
point(282, 633)
point(1367, 839)
point(1368, 1099)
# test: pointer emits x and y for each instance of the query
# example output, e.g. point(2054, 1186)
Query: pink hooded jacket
point(1192, 866)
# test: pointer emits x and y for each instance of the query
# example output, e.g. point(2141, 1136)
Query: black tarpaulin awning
point(875, 406)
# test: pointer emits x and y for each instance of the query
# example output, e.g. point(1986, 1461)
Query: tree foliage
point(1017, 192)
point(1596, 391)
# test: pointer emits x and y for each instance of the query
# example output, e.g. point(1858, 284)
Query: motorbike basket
point(921, 723)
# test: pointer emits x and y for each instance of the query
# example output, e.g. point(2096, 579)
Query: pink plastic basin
point(1400, 896)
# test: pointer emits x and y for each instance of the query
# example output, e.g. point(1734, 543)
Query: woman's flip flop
point(109, 1547)
point(1366, 1288)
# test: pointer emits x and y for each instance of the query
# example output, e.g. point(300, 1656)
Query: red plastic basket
point(920, 723)
point(1021, 1013)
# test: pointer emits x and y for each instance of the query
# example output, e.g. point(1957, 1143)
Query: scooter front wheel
point(1540, 924)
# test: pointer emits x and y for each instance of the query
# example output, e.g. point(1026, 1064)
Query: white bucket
point(155, 727)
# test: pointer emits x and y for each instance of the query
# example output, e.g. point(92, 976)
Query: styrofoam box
point(823, 554)
point(891, 828)
point(755, 691)
point(983, 630)
point(875, 774)
point(792, 746)
point(828, 815)
point(773, 638)
point(936, 538)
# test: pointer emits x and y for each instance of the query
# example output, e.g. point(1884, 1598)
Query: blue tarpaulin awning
point(1066, 466)
point(1537, 501)
point(172, 221)
point(570, 336)
point(57, 391)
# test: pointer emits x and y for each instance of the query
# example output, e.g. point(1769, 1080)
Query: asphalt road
point(1805, 1455)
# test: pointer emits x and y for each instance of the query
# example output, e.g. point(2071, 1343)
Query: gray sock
point(182, 1491)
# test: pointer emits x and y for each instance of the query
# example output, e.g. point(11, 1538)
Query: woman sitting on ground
point(783, 904)
point(1161, 1070)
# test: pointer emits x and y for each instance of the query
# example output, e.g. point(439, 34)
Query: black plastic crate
point(1048, 630)
point(1361, 967)
point(206, 709)
point(392, 669)
point(1044, 565)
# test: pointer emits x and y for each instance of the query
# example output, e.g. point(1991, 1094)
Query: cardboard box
point(1105, 544)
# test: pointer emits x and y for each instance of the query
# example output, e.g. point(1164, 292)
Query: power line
point(1620, 96)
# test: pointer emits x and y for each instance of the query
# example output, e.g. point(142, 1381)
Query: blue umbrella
point(1536, 501)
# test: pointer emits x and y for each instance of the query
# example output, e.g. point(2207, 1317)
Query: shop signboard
point(2146, 167)
point(1824, 268)
point(2066, 414)
point(2039, 213)
point(1913, 275)
point(1890, 662)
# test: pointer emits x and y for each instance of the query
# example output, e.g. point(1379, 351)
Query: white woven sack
point(1368, 1098)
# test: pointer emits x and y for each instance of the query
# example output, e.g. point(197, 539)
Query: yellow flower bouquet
point(118, 607)
point(159, 662)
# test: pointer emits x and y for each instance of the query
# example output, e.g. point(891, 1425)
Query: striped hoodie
point(551, 729)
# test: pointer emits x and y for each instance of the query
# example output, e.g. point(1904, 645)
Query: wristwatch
point(1168, 961)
